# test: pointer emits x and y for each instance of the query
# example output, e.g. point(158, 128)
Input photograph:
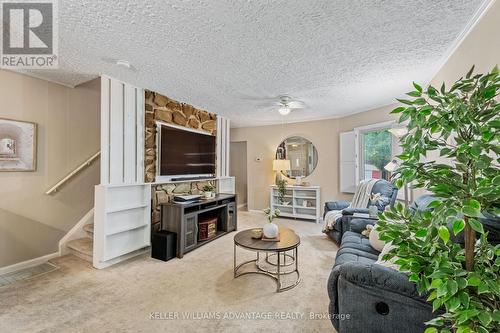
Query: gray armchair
point(389, 194)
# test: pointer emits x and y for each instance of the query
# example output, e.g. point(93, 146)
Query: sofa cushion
point(357, 241)
point(354, 255)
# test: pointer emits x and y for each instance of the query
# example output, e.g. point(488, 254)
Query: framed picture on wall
point(17, 145)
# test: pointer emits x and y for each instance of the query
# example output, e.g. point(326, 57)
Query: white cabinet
point(302, 202)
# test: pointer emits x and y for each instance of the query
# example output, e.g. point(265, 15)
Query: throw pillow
point(367, 231)
point(375, 241)
point(387, 263)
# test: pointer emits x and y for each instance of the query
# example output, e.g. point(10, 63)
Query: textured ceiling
point(339, 57)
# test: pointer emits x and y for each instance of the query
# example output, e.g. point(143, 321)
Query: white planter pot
point(208, 194)
point(270, 230)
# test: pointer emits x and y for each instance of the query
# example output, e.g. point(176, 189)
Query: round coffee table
point(276, 256)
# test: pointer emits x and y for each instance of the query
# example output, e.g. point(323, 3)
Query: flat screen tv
point(185, 153)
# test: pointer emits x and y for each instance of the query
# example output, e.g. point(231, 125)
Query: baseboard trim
point(242, 205)
point(256, 211)
point(28, 263)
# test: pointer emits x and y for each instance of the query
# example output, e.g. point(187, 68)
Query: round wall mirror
point(302, 155)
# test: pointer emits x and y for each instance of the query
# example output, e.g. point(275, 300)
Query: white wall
point(122, 132)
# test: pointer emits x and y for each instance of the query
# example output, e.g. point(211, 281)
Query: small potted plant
point(208, 191)
point(270, 229)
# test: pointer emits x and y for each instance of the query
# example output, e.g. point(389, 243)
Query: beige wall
point(31, 222)
point(481, 48)
point(238, 169)
point(324, 134)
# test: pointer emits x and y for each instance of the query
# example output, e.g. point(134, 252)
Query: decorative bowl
point(257, 233)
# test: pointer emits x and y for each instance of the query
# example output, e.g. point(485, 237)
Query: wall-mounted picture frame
point(18, 143)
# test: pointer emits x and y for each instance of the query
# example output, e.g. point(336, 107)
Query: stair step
point(82, 248)
point(89, 229)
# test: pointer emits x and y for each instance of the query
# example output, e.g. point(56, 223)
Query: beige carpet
point(78, 298)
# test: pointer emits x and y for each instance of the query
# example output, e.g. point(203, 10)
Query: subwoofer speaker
point(164, 245)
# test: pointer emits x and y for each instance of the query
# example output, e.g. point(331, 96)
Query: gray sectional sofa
point(379, 299)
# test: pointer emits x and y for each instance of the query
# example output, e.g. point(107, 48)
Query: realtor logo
point(29, 34)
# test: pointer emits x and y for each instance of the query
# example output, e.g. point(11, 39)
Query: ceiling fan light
point(284, 111)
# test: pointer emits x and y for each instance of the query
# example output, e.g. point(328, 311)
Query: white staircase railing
point(73, 173)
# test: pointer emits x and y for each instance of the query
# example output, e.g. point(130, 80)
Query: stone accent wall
point(162, 108)
point(163, 193)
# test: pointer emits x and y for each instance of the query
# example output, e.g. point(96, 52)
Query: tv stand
point(184, 218)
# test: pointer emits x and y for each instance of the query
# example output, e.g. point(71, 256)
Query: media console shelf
point(184, 218)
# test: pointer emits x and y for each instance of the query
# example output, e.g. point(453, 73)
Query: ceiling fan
point(287, 104)
point(284, 103)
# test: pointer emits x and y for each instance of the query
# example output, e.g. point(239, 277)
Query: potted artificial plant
point(271, 230)
point(462, 124)
point(208, 191)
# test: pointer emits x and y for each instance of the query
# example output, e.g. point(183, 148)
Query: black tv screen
point(183, 152)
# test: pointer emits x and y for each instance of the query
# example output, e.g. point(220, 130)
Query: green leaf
point(444, 234)
point(463, 329)
point(421, 233)
point(458, 226)
point(484, 318)
point(414, 94)
point(472, 208)
point(490, 92)
point(404, 101)
point(453, 304)
point(482, 288)
point(452, 287)
point(462, 283)
point(442, 290)
point(398, 110)
point(419, 101)
point(481, 329)
point(469, 73)
point(476, 225)
point(436, 304)
point(473, 281)
point(494, 123)
point(464, 299)
point(431, 330)
point(434, 204)
point(436, 283)
point(419, 88)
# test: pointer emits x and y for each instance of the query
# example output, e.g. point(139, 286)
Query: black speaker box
point(164, 245)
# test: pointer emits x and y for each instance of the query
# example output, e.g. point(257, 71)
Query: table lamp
point(393, 166)
point(280, 165)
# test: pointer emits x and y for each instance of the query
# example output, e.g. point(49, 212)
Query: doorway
point(238, 169)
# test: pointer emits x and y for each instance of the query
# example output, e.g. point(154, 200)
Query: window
point(375, 147)
point(376, 152)
point(364, 152)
